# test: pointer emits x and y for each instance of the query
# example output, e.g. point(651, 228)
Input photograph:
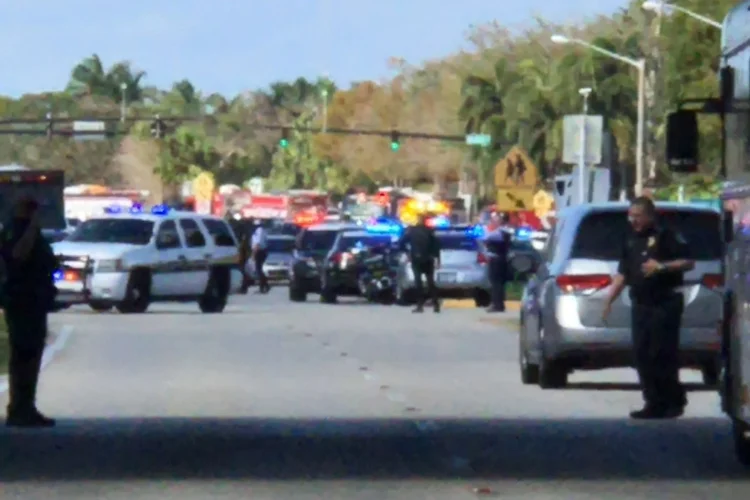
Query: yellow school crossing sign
point(203, 187)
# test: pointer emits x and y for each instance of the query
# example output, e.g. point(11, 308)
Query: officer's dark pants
point(27, 332)
point(498, 273)
point(656, 338)
point(424, 269)
point(260, 260)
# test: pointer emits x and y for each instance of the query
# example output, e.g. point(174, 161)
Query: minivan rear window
point(601, 234)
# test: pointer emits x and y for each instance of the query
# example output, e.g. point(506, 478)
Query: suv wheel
point(214, 298)
point(296, 293)
point(100, 306)
point(137, 294)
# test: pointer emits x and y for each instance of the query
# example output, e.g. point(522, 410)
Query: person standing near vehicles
point(28, 295)
point(498, 245)
point(424, 250)
point(653, 263)
point(259, 245)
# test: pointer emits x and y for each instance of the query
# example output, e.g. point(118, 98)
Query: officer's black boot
point(22, 411)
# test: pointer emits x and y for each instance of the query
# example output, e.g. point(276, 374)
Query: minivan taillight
point(583, 283)
point(712, 281)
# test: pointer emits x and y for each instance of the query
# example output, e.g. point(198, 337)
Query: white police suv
point(128, 259)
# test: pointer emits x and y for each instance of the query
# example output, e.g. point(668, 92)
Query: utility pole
point(123, 101)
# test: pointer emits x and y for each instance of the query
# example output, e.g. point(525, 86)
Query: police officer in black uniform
point(653, 263)
point(424, 250)
point(498, 246)
point(28, 295)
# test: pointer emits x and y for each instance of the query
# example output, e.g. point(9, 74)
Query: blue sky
point(230, 46)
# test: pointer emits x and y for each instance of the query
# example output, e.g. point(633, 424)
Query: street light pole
point(659, 7)
point(640, 65)
point(585, 92)
point(641, 124)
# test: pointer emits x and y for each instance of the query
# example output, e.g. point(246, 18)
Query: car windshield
point(280, 245)
point(457, 242)
point(370, 240)
point(599, 232)
point(128, 231)
point(317, 241)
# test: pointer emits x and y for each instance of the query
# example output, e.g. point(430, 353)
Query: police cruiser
point(130, 258)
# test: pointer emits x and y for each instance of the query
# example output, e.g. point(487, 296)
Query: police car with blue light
point(463, 265)
point(313, 246)
point(129, 258)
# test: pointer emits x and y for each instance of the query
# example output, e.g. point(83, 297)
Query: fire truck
point(299, 207)
point(87, 200)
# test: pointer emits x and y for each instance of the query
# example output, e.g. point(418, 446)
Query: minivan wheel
point(529, 372)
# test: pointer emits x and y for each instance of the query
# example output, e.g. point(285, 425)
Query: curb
point(510, 305)
point(61, 338)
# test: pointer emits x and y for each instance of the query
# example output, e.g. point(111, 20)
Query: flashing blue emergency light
point(136, 208)
point(439, 222)
point(160, 210)
point(58, 275)
point(475, 232)
point(523, 233)
point(384, 228)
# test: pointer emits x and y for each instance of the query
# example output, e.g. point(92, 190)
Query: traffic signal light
point(284, 141)
point(395, 143)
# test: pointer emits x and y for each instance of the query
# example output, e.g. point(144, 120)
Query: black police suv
point(313, 246)
point(357, 265)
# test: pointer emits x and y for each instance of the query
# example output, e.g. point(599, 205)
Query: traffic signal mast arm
point(6, 124)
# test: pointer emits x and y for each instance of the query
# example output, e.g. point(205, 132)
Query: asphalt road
point(297, 401)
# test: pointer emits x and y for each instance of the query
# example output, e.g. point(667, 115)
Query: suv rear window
point(456, 242)
point(317, 241)
point(601, 234)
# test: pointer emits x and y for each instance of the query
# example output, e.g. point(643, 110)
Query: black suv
point(313, 246)
point(350, 257)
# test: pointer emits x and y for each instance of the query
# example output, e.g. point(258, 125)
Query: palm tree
point(89, 77)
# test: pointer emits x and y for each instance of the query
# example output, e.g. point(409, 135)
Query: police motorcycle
point(377, 273)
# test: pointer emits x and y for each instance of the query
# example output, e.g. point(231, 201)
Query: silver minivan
point(561, 310)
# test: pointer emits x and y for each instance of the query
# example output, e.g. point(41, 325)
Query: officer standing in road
point(424, 250)
point(653, 263)
point(259, 246)
point(28, 296)
point(498, 245)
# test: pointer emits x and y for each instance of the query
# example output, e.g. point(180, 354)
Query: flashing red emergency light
point(382, 198)
point(305, 220)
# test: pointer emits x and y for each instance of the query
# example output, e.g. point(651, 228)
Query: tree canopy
point(515, 87)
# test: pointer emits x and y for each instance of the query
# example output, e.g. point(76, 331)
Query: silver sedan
point(462, 272)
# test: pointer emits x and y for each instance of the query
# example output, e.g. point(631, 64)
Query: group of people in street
point(654, 260)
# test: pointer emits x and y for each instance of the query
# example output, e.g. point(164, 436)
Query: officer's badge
point(651, 242)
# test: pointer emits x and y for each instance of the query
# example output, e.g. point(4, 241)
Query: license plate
point(446, 277)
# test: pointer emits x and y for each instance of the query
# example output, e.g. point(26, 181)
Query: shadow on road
point(279, 449)
point(623, 386)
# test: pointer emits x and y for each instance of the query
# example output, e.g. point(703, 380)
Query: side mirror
point(682, 142)
point(728, 229)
